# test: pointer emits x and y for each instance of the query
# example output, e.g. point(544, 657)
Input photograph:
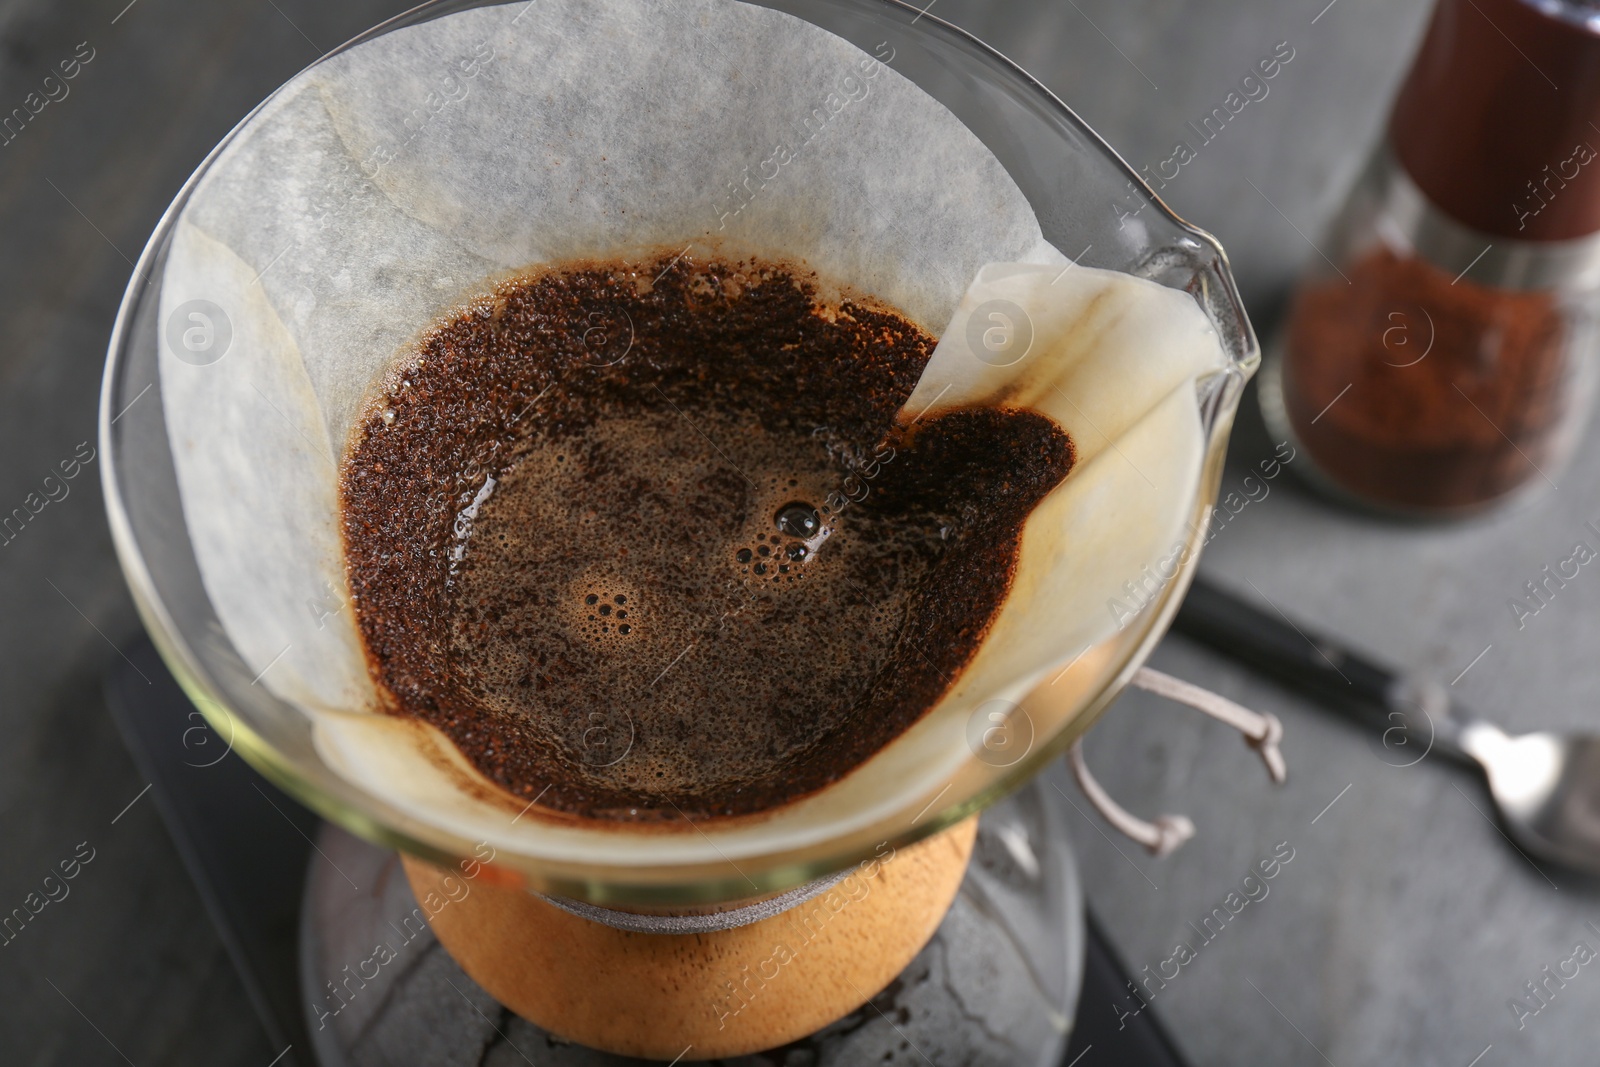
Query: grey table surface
point(1397, 933)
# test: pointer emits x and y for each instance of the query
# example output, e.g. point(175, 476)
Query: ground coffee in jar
point(1419, 393)
point(1441, 359)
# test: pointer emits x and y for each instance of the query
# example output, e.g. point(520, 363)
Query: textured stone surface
point(126, 968)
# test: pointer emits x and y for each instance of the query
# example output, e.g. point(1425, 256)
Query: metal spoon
point(1545, 785)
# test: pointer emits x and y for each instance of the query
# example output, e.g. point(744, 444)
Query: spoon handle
point(1396, 705)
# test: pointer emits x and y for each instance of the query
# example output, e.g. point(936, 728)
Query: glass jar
point(1438, 358)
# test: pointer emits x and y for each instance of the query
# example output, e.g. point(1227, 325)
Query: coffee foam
point(666, 726)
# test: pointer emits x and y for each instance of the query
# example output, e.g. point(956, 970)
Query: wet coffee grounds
point(1422, 391)
point(647, 542)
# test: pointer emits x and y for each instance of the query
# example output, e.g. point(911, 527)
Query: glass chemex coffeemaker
point(464, 146)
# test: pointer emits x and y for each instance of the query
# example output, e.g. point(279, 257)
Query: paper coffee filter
point(384, 187)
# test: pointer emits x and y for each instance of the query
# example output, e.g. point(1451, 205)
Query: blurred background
point(1405, 920)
